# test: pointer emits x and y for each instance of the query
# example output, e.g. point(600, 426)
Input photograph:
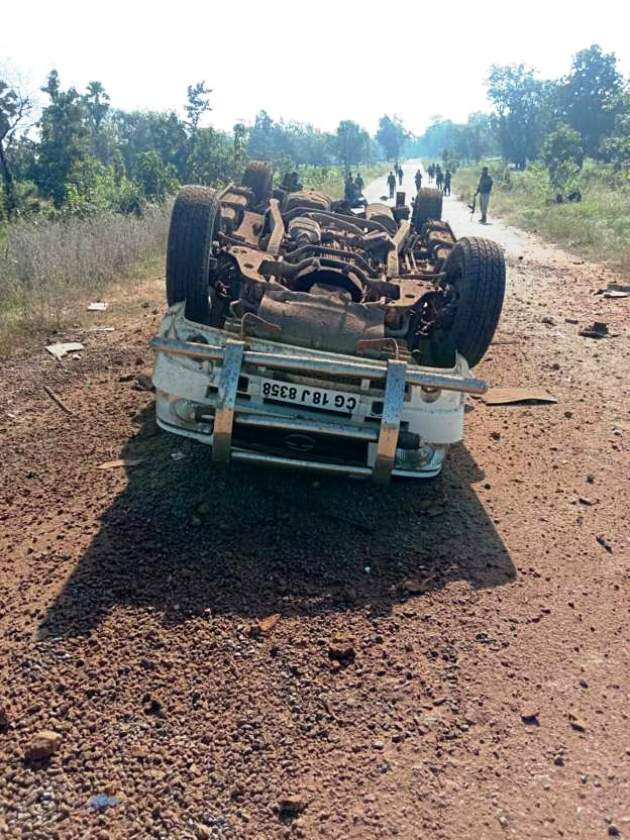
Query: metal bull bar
point(395, 373)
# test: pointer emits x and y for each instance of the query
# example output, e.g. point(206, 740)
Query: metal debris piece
point(62, 348)
point(598, 329)
point(98, 306)
point(613, 293)
point(511, 396)
point(102, 801)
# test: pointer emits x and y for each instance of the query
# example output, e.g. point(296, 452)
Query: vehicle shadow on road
point(185, 537)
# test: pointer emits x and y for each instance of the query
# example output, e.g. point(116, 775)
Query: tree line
point(79, 153)
point(558, 121)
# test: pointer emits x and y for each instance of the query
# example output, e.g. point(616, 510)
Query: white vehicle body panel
point(198, 397)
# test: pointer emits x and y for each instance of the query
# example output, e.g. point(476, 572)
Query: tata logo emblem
point(299, 443)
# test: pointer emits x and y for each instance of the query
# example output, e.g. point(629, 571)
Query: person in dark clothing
point(291, 182)
point(359, 184)
point(439, 177)
point(349, 190)
point(447, 182)
point(418, 180)
point(400, 175)
point(484, 188)
point(431, 172)
point(391, 183)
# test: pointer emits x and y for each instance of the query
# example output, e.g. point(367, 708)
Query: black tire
point(258, 176)
point(427, 205)
point(194, 225)
point(476, 269)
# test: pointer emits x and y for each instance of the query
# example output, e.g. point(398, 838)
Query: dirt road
point(237, 653)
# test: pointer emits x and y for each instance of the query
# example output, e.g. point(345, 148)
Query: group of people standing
point(353, 188)
point(442, 179)
point(396, 172)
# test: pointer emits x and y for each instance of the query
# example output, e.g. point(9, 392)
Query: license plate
point(307, 396)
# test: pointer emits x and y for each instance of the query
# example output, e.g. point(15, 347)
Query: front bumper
point(208, 388)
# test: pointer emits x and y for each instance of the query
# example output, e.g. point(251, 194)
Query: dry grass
point(46, 267)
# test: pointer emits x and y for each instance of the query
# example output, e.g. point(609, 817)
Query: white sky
point(317, 62)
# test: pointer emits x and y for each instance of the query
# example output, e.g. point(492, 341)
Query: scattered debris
point(62, 348)
point(120, 462)
point(576, 723)
point(57, 399)
point(530, 716)
point(341, 650)
point(143, 383)
point(98, 306)
point(43, 744)
point(178, 455)
point(571, 321)
point(4, 717)
point(614, 290)
point(548, 320)
point(290, 807)
point(604, 543)
point(265, 625)
point(597, 330)
point(612, 293)
point(101, 329)
point(510, 396)
point(102, 801)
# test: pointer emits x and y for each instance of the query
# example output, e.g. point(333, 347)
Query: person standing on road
point(418, 180)
point(431, 172)
point(391, 183)
point(439, 177)
point(349, 188)
point(400, 175)
point(447, 182)
point(484, 188)
point(359, 184)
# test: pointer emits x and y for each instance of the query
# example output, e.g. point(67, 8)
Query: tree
point(15, 107)
point(198, 102)
point(144, 131)
point(391, 135)
point(352, 143)
point(155, 179)
point(588, 93)
point(563, 154)
point(213, 159)
point(522, 110)
point(64, 135)
point(616, 148)
point(97, 110)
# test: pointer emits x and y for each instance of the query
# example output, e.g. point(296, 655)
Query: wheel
point(476, 270)
point(194, 225)
point(428, 205)
point(258, 176)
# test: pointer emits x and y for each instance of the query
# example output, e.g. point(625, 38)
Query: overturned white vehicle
point(301, 334)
